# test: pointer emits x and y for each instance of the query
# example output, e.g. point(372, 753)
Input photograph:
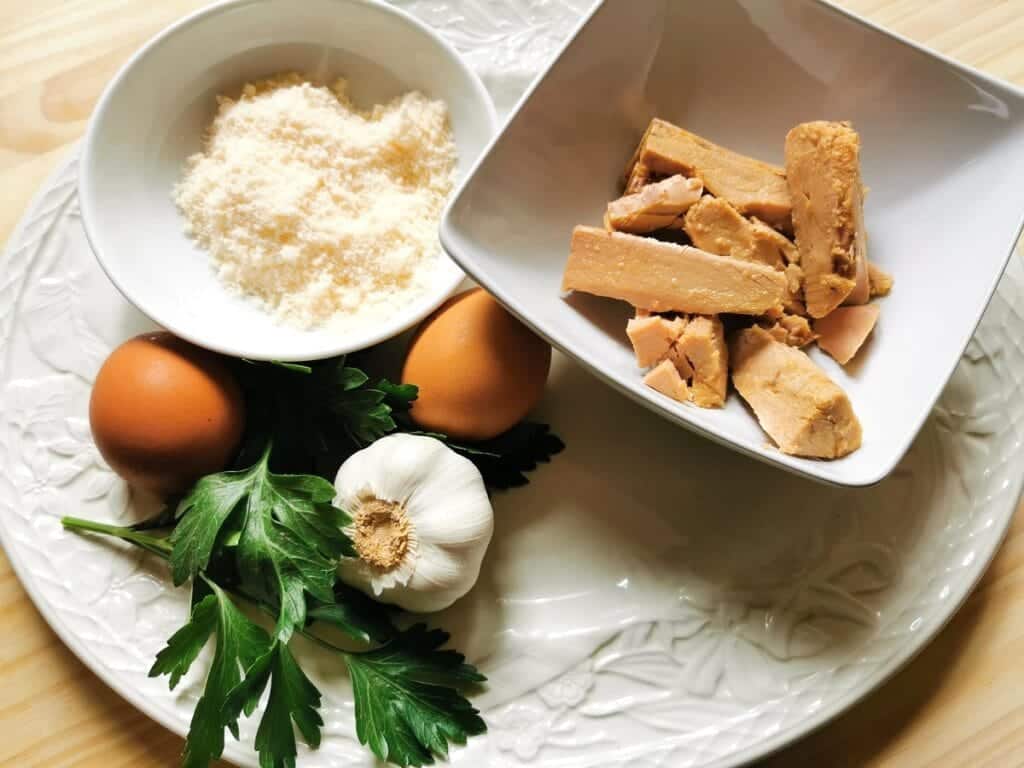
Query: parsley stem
point(162, 547)
point(325, 643)
point(155, 544)
point(269, 611)
point(293, 367)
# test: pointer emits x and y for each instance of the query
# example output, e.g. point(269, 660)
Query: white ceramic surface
point(943, 155)
point(638, 608)
point(152, 117)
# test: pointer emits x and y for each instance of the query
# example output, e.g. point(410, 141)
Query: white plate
point(942, 153)
point(651, 599)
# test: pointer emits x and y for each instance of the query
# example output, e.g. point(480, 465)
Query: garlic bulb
point(421, 522)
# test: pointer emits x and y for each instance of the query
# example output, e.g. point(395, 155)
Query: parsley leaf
point(288, 533)
point(407, 707)
point(356, 615)
point(239, 643)
point(504, 460)
point(316, 421)
point(366, 409)
point(293, 699)
point(399, 397)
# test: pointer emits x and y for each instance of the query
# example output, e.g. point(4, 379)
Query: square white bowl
point(942, 153)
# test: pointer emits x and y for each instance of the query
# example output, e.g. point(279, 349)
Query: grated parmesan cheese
point(325, 214)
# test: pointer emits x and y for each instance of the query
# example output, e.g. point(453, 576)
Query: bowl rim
point(425, 304)
point(809, 469)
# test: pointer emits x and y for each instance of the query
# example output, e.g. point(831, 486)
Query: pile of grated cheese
point(325, 214)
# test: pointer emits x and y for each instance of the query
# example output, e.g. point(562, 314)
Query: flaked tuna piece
point(696, 350)
point(677, 357)
point(797, 404)
point(666, 379)
point(703, 345)
point(665, 277)
point(861, 292)
point(754, 188)
point(785, 246)
point(715, 226)
point(823, 172)
point(793, 330)
point(794, 302)
point(655, 206)
point(843, 331)
point(879, 280)
point(638, 177)
point(653, 337)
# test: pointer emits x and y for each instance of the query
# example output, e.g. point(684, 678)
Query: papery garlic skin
point(450, 520)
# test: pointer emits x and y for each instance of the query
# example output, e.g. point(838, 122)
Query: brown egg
point(164, 412)
point(479, 369)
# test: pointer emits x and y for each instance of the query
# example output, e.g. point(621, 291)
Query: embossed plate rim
point(233, 750)
point(884, 672)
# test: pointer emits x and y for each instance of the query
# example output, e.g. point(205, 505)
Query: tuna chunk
point(639, 177)
point(652, 337)
point(666, 379)
point(656, 206)
point(665, 277)
point(703, 345)
point(753, 187)
point(823, 171)
point(861, 292)
point(694, 347)
point(797, 404)
point(785, 246)
point(879, 280)
point(791, 329)
point(844, 330)
point(794, 302)
point(717, 227)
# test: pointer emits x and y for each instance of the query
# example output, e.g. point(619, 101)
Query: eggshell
point(164, 412)
point(479, 369)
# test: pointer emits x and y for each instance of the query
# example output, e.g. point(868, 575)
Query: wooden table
point(958, 704)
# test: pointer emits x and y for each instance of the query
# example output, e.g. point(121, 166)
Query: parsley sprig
point(265, 538)
point(239, 644)
point(413, 686)
point(286, 536)
point(269, 541)
point(318, 414)
point(504, 460)
point(318, 417)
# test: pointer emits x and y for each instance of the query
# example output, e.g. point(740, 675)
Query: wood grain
point(957, 704)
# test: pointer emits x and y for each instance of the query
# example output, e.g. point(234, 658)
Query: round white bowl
point(152, 117)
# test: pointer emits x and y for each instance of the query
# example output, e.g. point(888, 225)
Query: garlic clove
point(451, 522)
